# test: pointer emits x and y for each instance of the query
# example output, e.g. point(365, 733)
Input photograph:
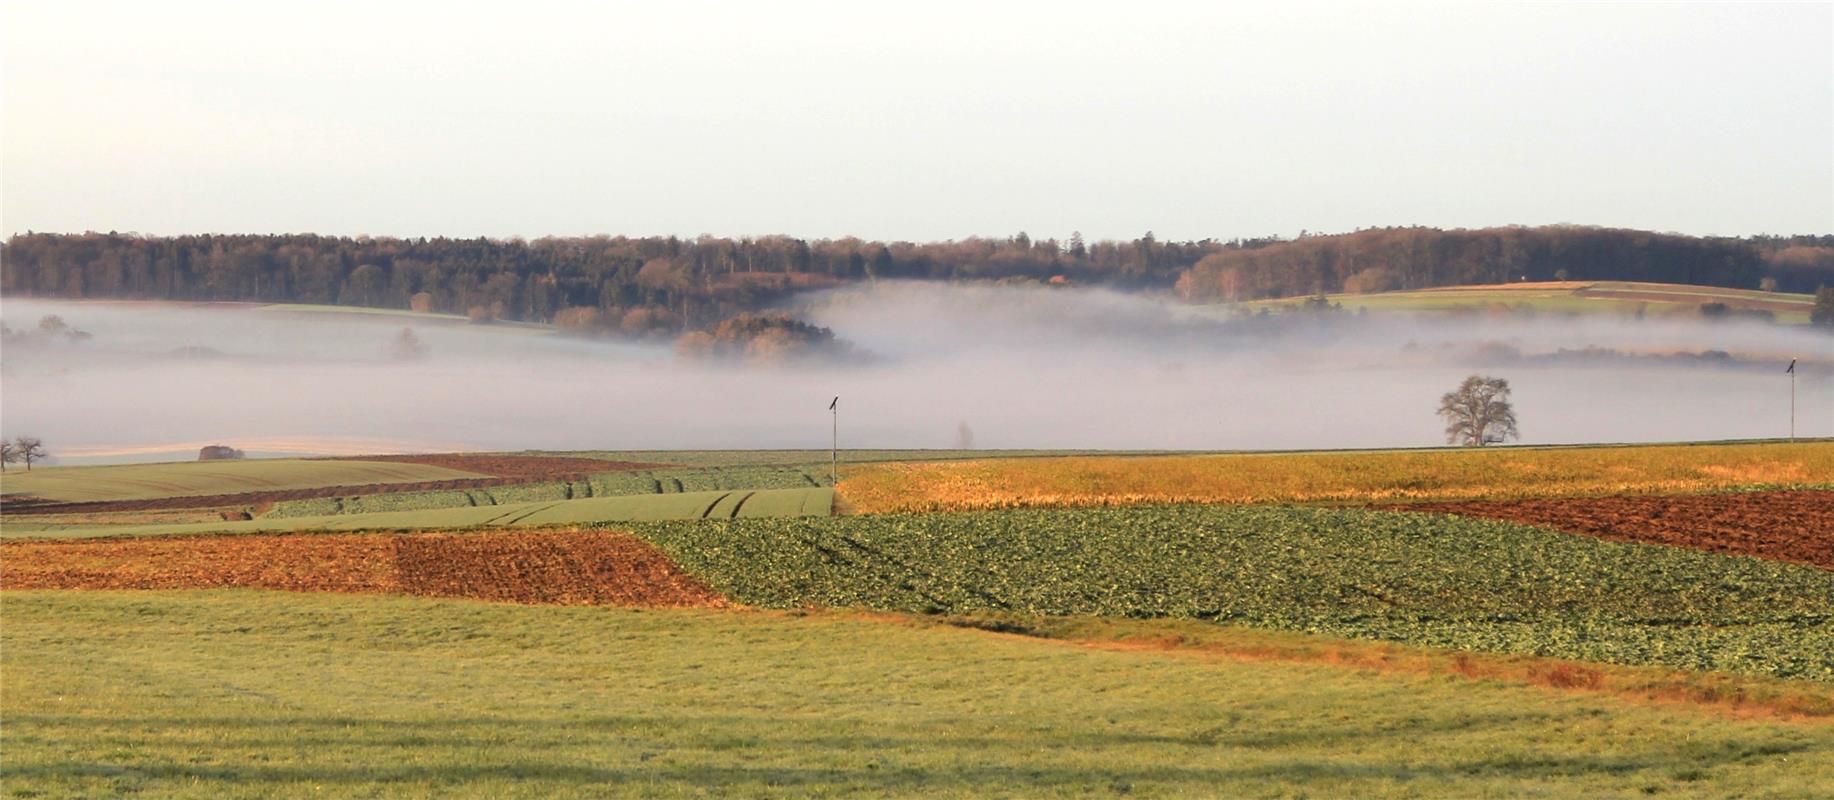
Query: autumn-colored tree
point(763, 338)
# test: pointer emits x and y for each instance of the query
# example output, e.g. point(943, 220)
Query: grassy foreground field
point(229, 694)
point(1335, 476)
point(145, 481)
point(617, 508)
point(1423, 579)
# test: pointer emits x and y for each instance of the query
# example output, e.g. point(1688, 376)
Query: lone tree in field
point(1478, 413)
point(8, 454)
point(28, 449)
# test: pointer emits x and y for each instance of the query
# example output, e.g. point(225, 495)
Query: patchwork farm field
point(1610, 622)
point(1337, 477)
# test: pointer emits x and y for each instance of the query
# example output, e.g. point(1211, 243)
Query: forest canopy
point(662, 285)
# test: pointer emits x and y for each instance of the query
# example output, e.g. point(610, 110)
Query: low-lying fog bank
point(1019, 367)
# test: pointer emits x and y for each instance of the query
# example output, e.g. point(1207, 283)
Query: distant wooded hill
point(659, 284)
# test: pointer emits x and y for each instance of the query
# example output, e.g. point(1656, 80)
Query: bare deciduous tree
point(28, 449)
point(1478, 412)
point(8, 454)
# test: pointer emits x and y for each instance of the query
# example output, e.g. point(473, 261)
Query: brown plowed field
point(504, 471)
point(1794, 526)
point(549, 567)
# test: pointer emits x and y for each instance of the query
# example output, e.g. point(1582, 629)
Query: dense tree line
point(1419, 258)
point(663, 284)
point(672, 281)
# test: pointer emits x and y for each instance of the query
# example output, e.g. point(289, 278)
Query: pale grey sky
point(913, 121)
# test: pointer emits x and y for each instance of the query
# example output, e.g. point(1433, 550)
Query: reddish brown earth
point(546, 567)
point(1793, 526)
point(502, 471)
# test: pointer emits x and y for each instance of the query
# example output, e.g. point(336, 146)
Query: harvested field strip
point(1797, 527)
point(550, 567)
point(1347, 477)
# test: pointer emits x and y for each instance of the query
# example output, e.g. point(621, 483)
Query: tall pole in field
point(834, 443)
point(1792, 399)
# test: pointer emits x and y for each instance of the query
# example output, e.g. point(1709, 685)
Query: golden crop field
point(1387, 476)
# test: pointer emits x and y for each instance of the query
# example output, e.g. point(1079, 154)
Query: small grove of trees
point(762, 337)
point(1822, 314)
point(1478, 412)
point(219, 452)
point(50, 328)
point(26, 449)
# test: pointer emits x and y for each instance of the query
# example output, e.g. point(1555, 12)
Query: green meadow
point(1607, 297)
point(233, 694)
point(615, 508)
point(187, 478)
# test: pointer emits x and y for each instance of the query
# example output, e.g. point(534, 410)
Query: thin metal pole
point(834, 444)
point(1792, 406)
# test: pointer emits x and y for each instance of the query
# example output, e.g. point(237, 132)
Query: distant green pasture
point(190, 478)
point(1615, 297)
point(647, 507)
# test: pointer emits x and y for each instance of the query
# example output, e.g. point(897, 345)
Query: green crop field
point(180, 479)
point(683, 505)
point(1608, 297)
point(229, 694)
point(632, 482)
point(1423, 579)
